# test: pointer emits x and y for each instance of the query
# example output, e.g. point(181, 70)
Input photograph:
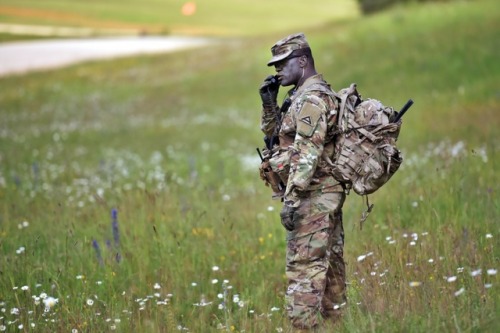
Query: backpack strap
point(343, 101)
point(360, 129)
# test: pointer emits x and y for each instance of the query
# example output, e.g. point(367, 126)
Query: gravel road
point(22, 57)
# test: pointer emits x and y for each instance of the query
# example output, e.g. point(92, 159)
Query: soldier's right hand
point(269, 91)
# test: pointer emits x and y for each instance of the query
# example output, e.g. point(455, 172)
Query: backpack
point(366, 155)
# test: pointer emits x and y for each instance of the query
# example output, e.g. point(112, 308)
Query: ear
point(303, 61)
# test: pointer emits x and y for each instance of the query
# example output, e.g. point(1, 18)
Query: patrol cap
point(285, 47)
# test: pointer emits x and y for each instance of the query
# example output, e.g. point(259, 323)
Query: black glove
point(286, 215)
point(269, 92)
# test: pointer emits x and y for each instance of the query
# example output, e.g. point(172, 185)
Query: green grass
point(169, 141)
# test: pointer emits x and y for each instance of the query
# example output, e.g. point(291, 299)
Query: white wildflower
point(49, 302)
point(475, 273)
point(361, 258)
point(459, 292)
point(215, 268)
point(489, 236)
point(157, 286)
point(90, 302)
point(364, 256)
point(415, 284)
point(451, 279)
point(491, 271)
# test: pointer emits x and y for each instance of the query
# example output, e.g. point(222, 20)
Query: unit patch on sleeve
point(307, 119)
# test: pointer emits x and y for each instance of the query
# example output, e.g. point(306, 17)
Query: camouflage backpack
point(366, 155)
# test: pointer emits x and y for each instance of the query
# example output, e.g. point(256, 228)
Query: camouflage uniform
point(315, 267)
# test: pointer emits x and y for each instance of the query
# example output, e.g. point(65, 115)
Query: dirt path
point(21, 57)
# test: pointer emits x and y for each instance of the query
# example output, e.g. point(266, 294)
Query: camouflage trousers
point(315, 267)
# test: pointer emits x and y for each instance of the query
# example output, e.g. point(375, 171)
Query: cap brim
point(279, 57)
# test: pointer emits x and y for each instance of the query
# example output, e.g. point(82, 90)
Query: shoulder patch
point(307, 119)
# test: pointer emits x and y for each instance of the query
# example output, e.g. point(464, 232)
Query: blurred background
point(130, 198)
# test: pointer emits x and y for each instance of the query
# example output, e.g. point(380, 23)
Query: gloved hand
point(269, 92)
point(286, 215)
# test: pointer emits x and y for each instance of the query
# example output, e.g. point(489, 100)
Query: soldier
point(300, 141)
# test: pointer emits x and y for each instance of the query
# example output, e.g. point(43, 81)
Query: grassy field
point(130, 198)
point(216, 17)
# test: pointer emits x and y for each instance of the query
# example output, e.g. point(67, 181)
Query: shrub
point(371, 6)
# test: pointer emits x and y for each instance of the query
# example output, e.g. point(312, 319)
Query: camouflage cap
point(284, 47)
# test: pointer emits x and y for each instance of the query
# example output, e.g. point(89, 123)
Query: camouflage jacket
point(306, 139)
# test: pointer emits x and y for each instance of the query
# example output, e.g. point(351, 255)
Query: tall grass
point(167, 144)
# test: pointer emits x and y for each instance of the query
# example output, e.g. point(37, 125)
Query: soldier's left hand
point(286, 215)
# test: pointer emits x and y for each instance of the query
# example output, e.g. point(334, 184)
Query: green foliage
point(169, 141)
point(372, 6)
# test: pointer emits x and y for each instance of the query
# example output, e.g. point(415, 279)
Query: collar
point(318, 78)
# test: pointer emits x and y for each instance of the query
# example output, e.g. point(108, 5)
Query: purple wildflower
point(97, 249)
point(116, 233)
point(114, 224)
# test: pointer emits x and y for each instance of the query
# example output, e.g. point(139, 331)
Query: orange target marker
point(188, 9)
